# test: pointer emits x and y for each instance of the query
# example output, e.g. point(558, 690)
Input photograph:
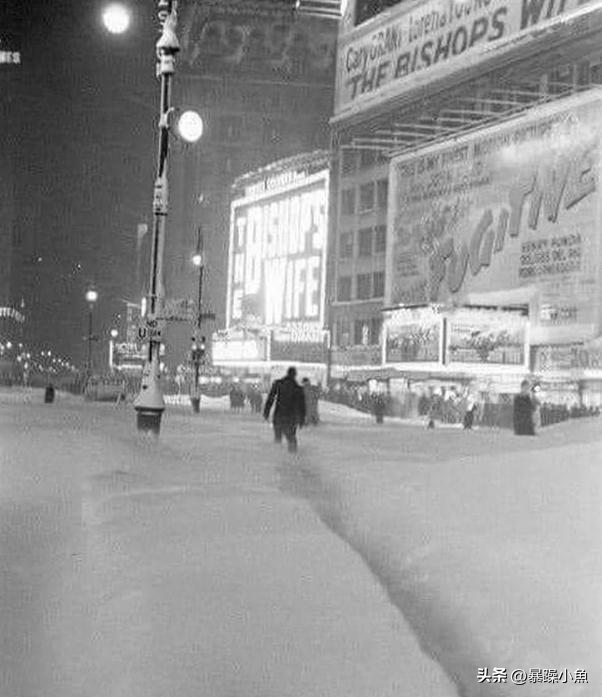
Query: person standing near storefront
point(469, 412)
point(524, 409)
point(290, 410)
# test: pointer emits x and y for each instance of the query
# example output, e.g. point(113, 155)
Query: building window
point(382, 194)
point(346, 245)
point(272, 131)
point(348, 162)
point(342, 330)
point(344, 288)
point(348, 201)
point(364, 286)
point(380, 239)
point(365, 242)
point(367, 158)
point(366, 197)
point(365, 9)
point(361, 332)
point(375, 328)
point(378, 284)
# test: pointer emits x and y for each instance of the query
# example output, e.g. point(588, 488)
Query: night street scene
point(301, 348)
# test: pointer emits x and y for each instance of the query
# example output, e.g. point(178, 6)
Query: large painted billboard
point(505, 216)
point(413, 44)
point(277, 261)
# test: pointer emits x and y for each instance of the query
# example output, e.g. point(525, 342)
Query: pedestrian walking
point(311, 395)
point(289, 409)
point(469, 413)
point(379, 406)
point(523, 412)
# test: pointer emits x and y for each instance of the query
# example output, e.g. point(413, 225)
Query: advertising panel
point(404, 48)
point(413, 335)
point(510, 214)
point(303, 344)
point(486, 336)
point(567, 357)
point(277, 266)
point(226, 350)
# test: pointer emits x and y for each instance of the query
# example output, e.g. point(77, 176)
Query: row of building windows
point(352, 160)
point(359, 332)
point(370, 241)
point(367, 286)
point(366, 197)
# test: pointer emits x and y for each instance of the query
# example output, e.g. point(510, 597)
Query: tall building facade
point(11, 317)
point(465, 245)
point(262, 77)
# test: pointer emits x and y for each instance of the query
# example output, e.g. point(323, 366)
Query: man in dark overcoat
point(289, 410)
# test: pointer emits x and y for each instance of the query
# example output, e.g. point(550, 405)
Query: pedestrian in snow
point(523, 413)
point(469, 413)
point(535, 398)
point(290, 410)
point(379, 406)
point(311, 402)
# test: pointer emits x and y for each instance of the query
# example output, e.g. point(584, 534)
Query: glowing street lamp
point(116, 18)
point(91, 298)
point(190, 126)
point(114, 335)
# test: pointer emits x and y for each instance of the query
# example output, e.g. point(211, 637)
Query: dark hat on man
point(291, 372)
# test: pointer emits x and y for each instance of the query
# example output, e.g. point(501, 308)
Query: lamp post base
point(149, 420)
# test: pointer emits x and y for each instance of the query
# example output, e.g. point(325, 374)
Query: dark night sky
point(86, 112)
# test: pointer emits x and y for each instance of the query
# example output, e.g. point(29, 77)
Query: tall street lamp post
point(91, 298)
point(197, 353)
point(150, 404)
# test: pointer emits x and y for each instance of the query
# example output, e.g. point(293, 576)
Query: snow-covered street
point(379, 561)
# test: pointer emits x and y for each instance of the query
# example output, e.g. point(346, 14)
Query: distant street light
point(116, 18)
point(114, 335)
point(91, 298)
point(190, 126)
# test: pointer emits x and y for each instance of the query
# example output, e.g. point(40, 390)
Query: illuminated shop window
point(364, 286)
point(365, 242)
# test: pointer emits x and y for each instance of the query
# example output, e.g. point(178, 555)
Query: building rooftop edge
point(314, 158)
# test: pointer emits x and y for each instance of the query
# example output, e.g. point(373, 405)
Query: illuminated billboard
point(413, 44)
point(277, 258)
point(413, 335)
point(503, 217)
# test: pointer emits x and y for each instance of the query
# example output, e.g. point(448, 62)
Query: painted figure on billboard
point(505, 209)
